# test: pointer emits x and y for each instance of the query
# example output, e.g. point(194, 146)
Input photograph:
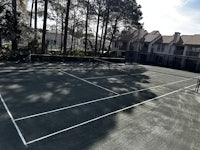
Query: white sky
point(169, 16)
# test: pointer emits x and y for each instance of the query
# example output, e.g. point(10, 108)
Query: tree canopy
point(78, 18)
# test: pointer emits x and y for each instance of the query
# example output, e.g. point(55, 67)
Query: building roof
point(191, 39)
point(167, 39)
point(152, 36)
point(185, 38)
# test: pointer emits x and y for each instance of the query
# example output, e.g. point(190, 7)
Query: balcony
point(192, 54)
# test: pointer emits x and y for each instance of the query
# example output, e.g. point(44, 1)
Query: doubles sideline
point(103, 116)
point(13, 121)
point(97, 100)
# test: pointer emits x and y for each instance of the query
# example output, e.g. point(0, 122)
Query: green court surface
point(96, 106)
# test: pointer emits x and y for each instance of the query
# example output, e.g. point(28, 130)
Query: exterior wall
point(192, 51)
point(161, 48)
point(152, 43)
point(55, 41)
point(168, 55)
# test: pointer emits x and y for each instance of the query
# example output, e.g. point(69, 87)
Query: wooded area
point(102, 19)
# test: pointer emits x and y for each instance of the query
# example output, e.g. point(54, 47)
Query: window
point(179, 50)
point(163, 48)
point(160, 48)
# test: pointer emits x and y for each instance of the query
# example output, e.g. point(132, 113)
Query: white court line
point(96, 100)
point(103, 116)
point(167, 74)
point(13, 121)
point(124, 75)
point(89, 82)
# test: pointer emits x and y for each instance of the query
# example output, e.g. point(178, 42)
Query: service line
point(123, 75)
point(96, 100)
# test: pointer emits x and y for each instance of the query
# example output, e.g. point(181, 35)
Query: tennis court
point(97, 105)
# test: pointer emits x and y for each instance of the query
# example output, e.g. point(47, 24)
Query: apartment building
point(176, 51)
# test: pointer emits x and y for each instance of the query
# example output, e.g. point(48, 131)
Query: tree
point(108, 6)
point(124, 11)
point(2, 9)
point(66, 26)
point(86, 25)
point(15, 24)
point(44, 27)
point(98, 6)
point(58, 15)
point(77, 23)
point(31, 13)
point(36, 5)
point(102, 33)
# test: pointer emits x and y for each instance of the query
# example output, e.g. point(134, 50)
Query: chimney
point(177, 36)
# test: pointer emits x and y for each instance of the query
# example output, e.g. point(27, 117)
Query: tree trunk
point(36, 20)
point(44, 28)
point(72, 40)
point(31, 15)
point(56, 36)
point(62, 30)
point(15, 25)
point(86, 27)
point(97, 31)
point(102, 35)
point(0, 40)
point(106, 27)
point(113, 34)
point(66, 27)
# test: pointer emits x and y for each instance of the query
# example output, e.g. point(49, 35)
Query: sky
point(169, 16)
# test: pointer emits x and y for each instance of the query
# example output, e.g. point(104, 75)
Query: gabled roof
point(151, 36)
point(165, 39)
point(139, 34)
point(131, 35)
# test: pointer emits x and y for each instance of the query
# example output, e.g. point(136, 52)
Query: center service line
point(89, 82)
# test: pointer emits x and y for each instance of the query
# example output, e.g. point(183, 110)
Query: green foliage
point(75, 53)
point(11, 27)
point(6, 46)
point(81, 53)
point(34, 46)
point(7, 54)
